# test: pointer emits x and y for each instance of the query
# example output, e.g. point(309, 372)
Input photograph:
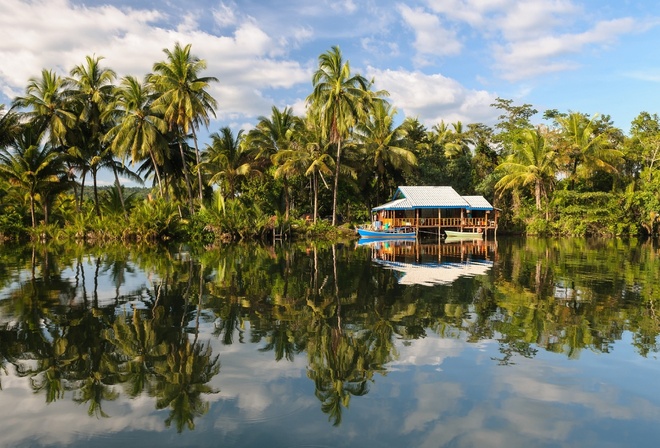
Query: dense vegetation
point(575, 175)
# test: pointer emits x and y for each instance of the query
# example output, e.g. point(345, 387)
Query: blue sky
point(439, 59)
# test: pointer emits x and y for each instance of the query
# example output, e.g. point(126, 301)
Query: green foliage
point(235, 220)
point(589, 214)
point(153, 220)
point(198, 229)
point(11, 226)
point(538, 225)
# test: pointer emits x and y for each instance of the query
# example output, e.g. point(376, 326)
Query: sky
point(438, 59)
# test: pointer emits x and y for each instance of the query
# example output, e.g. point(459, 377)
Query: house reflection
point(428, 264)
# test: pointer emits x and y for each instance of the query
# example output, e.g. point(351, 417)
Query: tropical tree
point(275, 134)
point(228, 160)
point(454, 140)
point(91, 90)
point(384, 145)
point(140, 131)
point(183, 99)
point(341, 99)
point(32, 166)
point(9, 126)
point(307, 157)
point(532, 163)
point(48, 105)
point(584, 148)
point(511, 122)
point(645, 140)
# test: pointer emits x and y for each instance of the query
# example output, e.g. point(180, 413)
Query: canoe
point(463, 235)
point(395, 233)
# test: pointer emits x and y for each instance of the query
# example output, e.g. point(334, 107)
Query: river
point(511, 343)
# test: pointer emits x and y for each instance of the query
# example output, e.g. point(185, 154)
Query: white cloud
point(527, 58)
point(526, 19)
point(433, 98)
point(224, 15)
point(532, 37)
point(431, 38)
point(246, 63)
point(472, 12)
point(344, 6)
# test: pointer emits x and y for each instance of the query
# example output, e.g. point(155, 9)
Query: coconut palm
point(33, 167)
point(272, 135)
point(454, 140)
point(533, 162)
point(9, 126)
point(341, 99)
point(140, 131)
point(91, 90)
point(49, 107)
point(584, 147)
point(183, 98)
point(306, 157)
point(228, 160)
point(384, 144)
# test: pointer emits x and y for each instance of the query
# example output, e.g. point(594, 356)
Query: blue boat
point(390, 234)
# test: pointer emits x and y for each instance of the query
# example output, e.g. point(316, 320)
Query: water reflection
point(439, 263)
point(316, 329)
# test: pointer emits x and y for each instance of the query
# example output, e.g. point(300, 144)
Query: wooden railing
point(441, 222)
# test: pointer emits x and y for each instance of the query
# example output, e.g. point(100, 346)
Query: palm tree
point(584, 147)
point(33, 167)
point(228, 160)
point(9, 126)
point(384, 144)
point(183, 98)
point(307, 157)
point(341, 99)
point(455, 141)
point(49, 106)
point(533, 162)
point(140, 131)
point(272, 135)
point(92, 90)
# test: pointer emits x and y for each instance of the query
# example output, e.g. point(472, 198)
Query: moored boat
point(463, 235)
point(393, 233)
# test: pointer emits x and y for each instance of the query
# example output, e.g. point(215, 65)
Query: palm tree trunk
point(336, 187)
point(34, 219)
point(186, 177)
point(96, 194)
point(46, 210)
point(286, 199)
point(160, 185)
point(315, 186)
point(199, 171)
point(119, 190)
point(82, 188)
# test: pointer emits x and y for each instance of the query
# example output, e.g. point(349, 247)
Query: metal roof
point(478, 203)
point(397, 204)
point(410, 198)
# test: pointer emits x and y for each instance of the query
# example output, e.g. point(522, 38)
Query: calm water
point(517, 343)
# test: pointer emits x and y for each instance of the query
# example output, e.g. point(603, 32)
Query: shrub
point(11, 226)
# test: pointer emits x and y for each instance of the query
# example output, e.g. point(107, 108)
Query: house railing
point(441, 222)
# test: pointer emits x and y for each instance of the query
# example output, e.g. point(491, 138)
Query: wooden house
point(434, 209)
